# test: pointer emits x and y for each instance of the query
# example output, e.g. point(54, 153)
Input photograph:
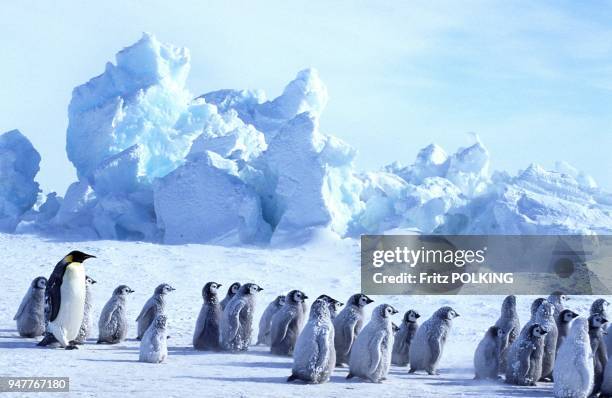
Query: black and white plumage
point(65, 300)
point(334, 305)
point(153, 307)
point(487, 357)
point(154, 343)
point(287, 323)
point(87, 324)
point(30, 316)
point(598, 348)
point(206, 334)
point(314, 357)
point(237, 319)
point(563, 325)
point(403, 338)
point(573, 374)
point(265, 322)
point(510, 324)
point(525, 356)
point(370, 356)
point(429, 340)
point(113, 323)
point(231, 292)
point(347, 326)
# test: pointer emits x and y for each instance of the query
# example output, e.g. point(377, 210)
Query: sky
point(532, 79)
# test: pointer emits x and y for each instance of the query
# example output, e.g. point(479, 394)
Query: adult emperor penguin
point(231, 292)
point(573, 373)
point(487, 356)
point(426, 349)
point(315, 356)
point(88, 314)
point(153, 307)
point(347, 326)
point(370, 356)
point(287, 323)
point(237, 319)
point(598, 348)
point(30, 316)
point(403, 338)
point(508, 322)
point(263, 336)
point(113, 324)
point(65, 296)
point(154, 343)
point(563, 325)
point(206, 335)
point(334, 305)
point(525, 356)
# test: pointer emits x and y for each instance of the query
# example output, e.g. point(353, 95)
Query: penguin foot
point(74, 342)
point(48, 339)
point(412, 370)
point(291, 378)
point(72, 347)
point(350, 376)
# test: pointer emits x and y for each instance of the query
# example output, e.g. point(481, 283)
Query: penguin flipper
point(22, 306)
point(375, 351)
point(280, 325)
point(348, 337)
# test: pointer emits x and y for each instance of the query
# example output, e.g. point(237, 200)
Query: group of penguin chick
point(335, 336)
point(555, 345)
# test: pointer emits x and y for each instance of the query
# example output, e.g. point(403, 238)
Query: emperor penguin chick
point(558, 299)
point(600, 306)
point(487, 356)
point(263, 336)
point(525, 355)
point(563, 325)
point(30, 316)
point(509, 323)
point(428, 344)
point(546, 317)
point(334, 305)
point(237, 319)
point(598, 348)
point(287, 323)
point(87, 324)
point(206, 335)
point(153, 307)
point(65, 298)
point(231, 292)
point(403, 338)
point(573, 373)
point(347, 326)
point(315, 356)
point(370, 357)
point(113, 323)
point(154, 343)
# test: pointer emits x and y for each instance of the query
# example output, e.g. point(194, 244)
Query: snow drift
point(157, 163)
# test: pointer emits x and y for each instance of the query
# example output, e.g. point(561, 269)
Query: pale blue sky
point(533, 79)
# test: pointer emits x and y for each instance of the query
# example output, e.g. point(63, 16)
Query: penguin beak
point(259, 288)
point(305, 297)
point(340, 304)
point(86, 256)
point(131, 291)
point(219, 285)
point(369, 300)
point(395, 311)
point(457, 315)
point(93, 282)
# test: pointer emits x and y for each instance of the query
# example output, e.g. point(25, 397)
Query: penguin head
point(597, 320)
point(164, 288)
point(386, 310)
point(280, 300)
point(251, 288)
point(296, 296)
point(566, 316)
point(536, 304)
point(39, 283)
point(538, 330)
point(509, 303)
point(210, 288)
point(360, 300)
point(76, 256)
point(331, 301)
point(161, 321)
point(558, 297)
point(319, 308)
point(447, 313)
point(122, 290)
point(411, 316)
point(233, 289)
point(89, 280)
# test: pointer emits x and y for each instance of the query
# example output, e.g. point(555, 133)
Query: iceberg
point(19, 164)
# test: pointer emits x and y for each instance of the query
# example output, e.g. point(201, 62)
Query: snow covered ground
point(324, 266)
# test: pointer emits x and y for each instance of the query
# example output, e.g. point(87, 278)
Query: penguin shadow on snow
point(24, 343)
point(250, 379)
